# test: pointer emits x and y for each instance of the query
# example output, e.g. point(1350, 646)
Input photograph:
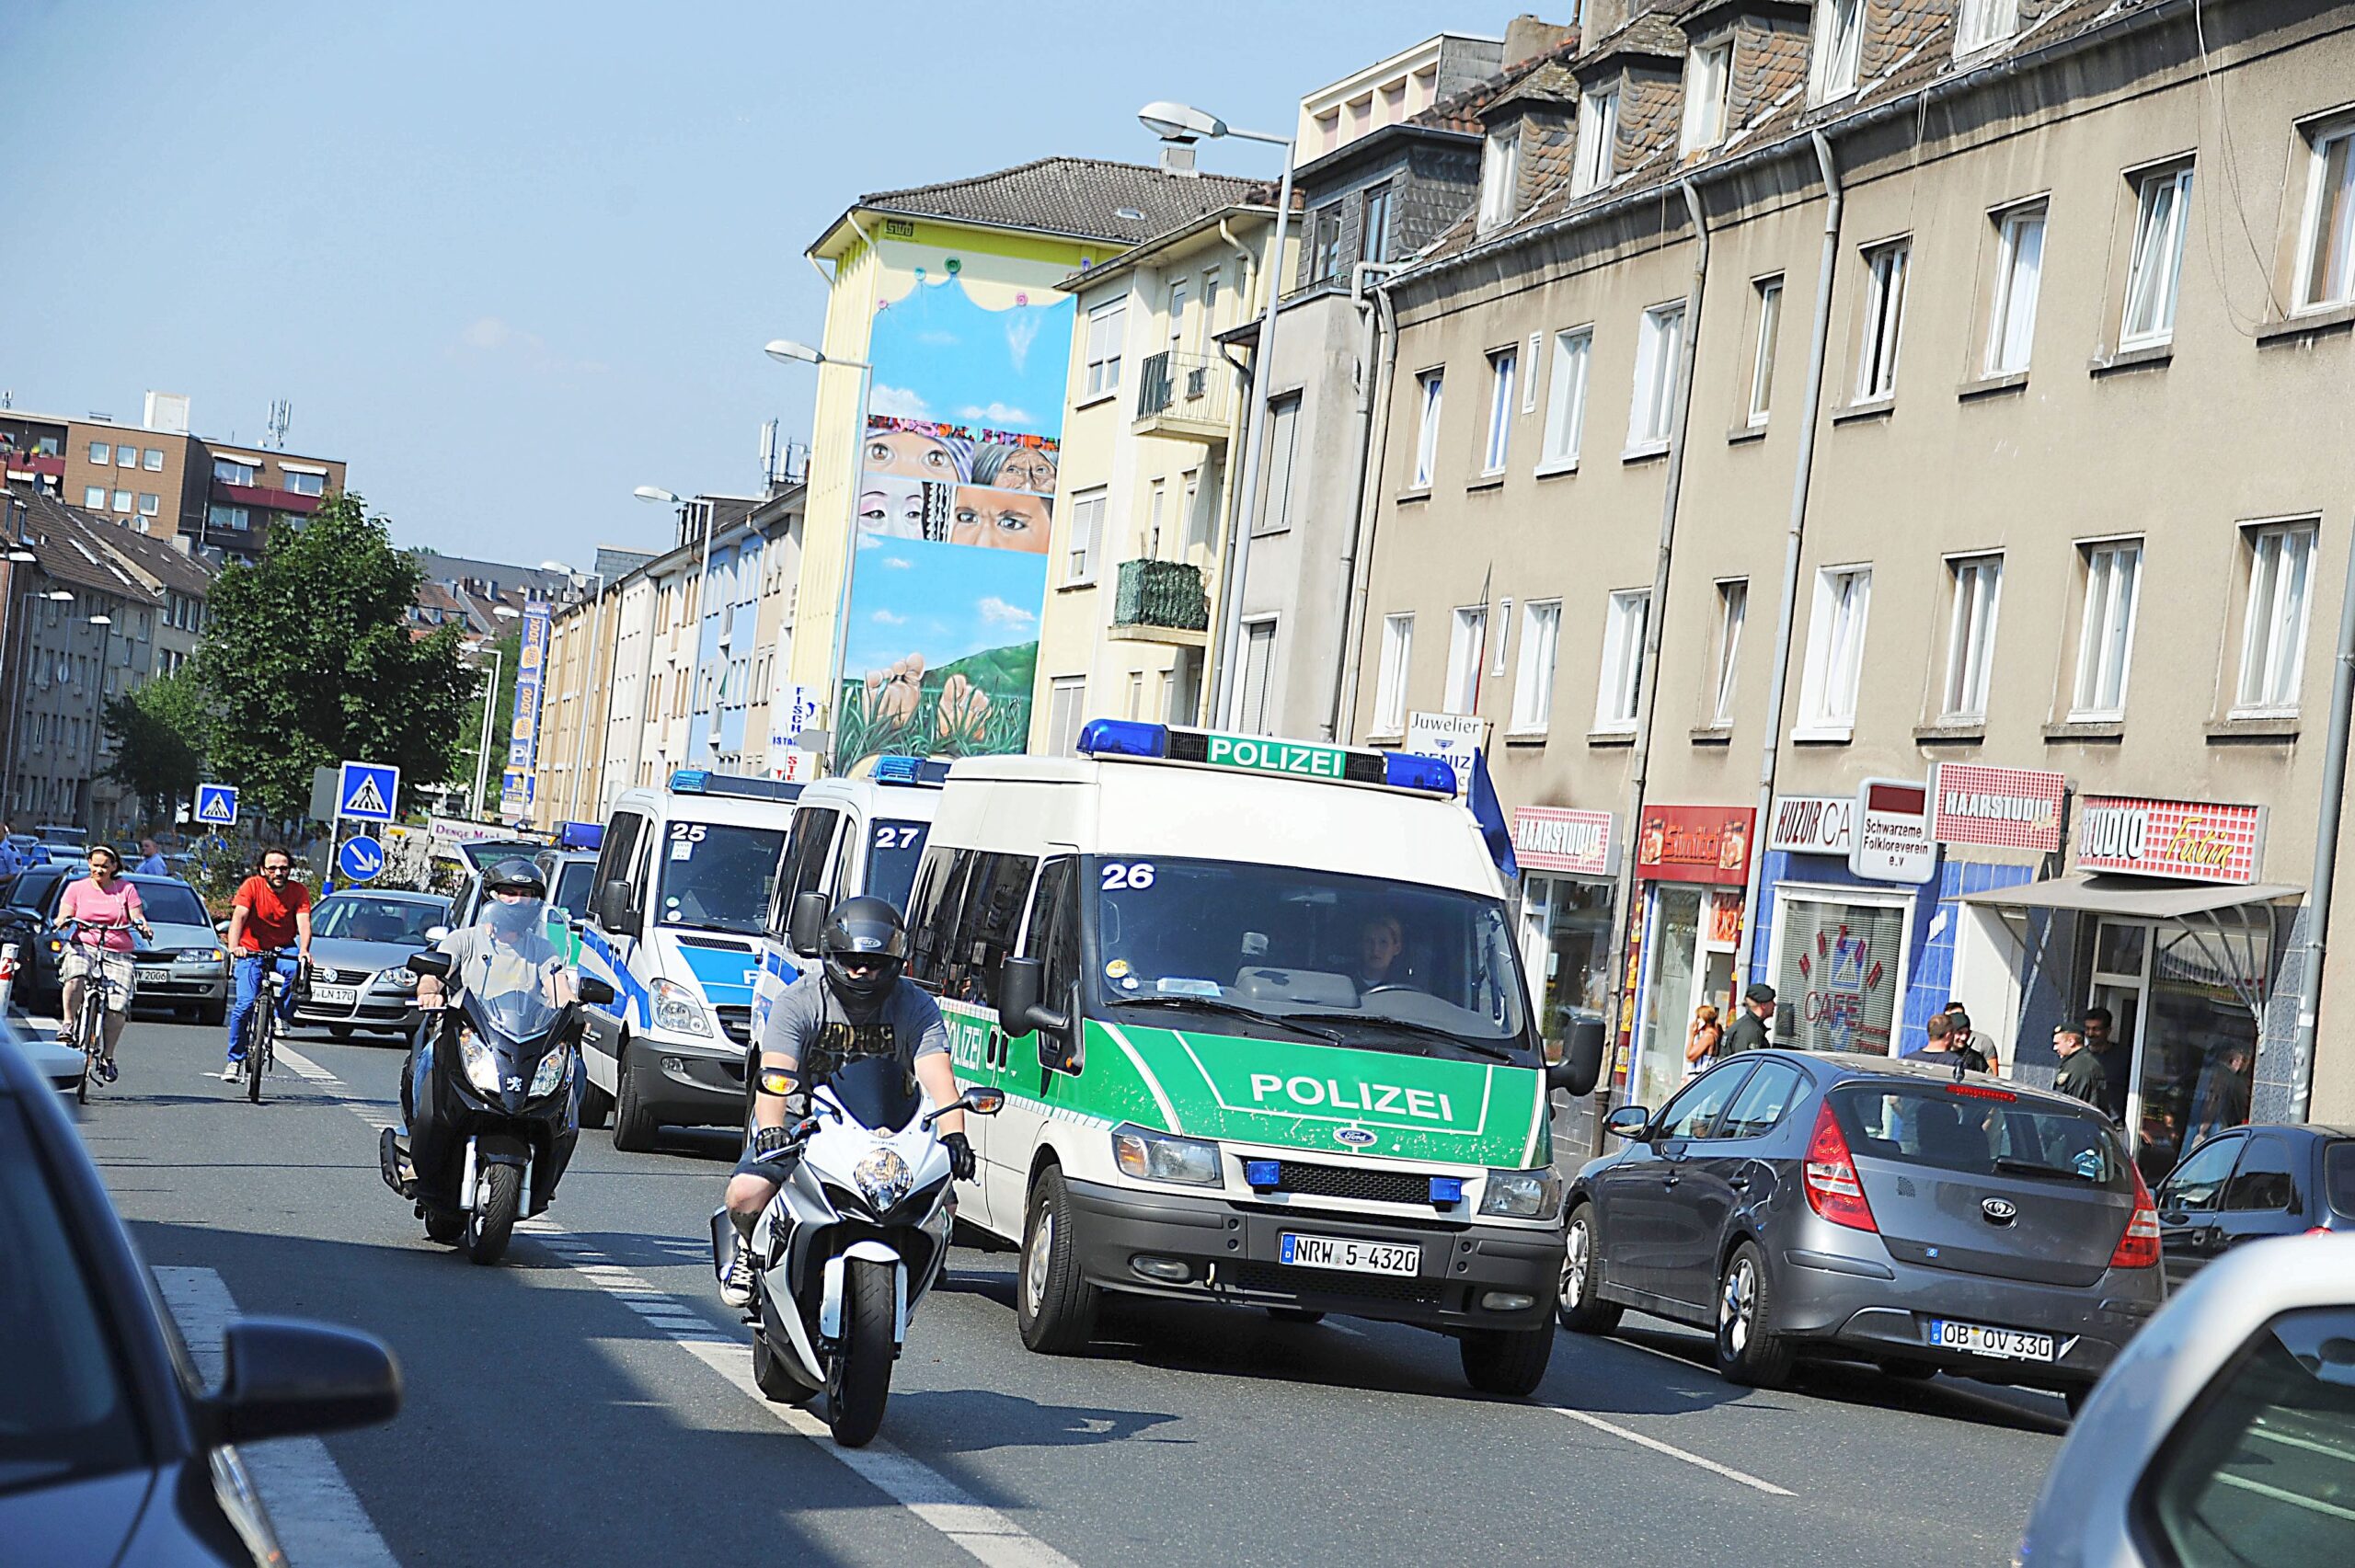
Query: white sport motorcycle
point(854, 1237)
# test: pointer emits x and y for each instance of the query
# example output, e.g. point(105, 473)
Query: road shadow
point(975, 1421)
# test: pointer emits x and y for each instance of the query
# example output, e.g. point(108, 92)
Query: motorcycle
point(856, 1236)
point(493, 1105)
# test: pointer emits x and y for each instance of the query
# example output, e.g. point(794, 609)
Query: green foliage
point(162, 729)
point(1002, 674)
point(309, 661)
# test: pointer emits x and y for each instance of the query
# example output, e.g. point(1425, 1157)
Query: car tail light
point(1832, 1188)
point(2139, 1248)
point(1980, 1091)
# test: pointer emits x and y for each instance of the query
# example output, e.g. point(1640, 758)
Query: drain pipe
point(1373, 319)
point(2326, 824)
point(1640, 762)
point(1786, 606)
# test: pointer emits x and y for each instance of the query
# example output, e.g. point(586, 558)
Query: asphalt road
point(588, 1401)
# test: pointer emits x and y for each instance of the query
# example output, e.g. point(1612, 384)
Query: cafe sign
point(2195, 839)
point(1556, 838)
point(1812, 824)
point(1696, 843)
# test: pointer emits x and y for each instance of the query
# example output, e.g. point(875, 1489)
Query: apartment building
point(1394, 91)
point(1841, 427)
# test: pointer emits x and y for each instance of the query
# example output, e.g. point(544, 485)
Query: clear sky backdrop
point(510, 260)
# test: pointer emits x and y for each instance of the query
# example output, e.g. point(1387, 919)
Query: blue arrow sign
point(366, 790)
point(360, 859)
point(216, 804)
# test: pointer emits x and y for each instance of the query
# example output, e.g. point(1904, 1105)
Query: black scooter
point(493, 1105)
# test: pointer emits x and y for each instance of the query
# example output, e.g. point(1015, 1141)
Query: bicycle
point(91, 1021)
point(262, 1044)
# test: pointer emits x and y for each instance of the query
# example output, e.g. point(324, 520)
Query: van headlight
point(678, 1009)
point(482, 1062)
point(552, 1071)
point(1158, 1157)
point(1522, 1195)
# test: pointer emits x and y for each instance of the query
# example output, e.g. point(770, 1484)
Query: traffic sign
point(216, 804)
point(366, 790)
point(360, 859)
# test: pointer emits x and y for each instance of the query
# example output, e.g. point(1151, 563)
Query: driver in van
point(1381, 944)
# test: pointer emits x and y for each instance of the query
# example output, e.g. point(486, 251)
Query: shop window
point(1839, 965)
point(1567, 922)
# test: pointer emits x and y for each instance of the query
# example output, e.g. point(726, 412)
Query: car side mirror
point(281, 1378)
point(1627, 1121)
point(434, 933)
point(594, 991)
point(1581, 1064)
point(434, 964)
point(806, 922)
point(616, 908)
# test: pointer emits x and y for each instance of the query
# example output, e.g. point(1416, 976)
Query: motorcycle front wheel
point(497, 1196)
point(863, 1366)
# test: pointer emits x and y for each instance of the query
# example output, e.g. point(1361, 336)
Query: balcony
point(1188, 396)
point(1161, 602)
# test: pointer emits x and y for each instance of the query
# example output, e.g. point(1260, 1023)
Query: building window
point(2273, 640)
point(122, 501)
point(2019, 268)
point(1284, 440)
point(1707, 72)
point(93, 498)
point(1086, 528)
point(1500, 177)
point(1656, 353)
point(1532, 687)
point(307, 484)
point(236, 520)
point(153, 457)
point(1593, 161)
point(1733, 609)
point(232, 473)
point(1390, 679)
point(1374, 245)
point(1761, 367)
point(149, 506)
point(126, 457)
point(1066, 710)
point(100, 455)
point(1325, 243)
point(1258, 675)
point(1466, 642)
point(1622, 661)
point(1837, 49)
point(1565, 397)
point(1971, 635)
point(1885, 268)
point(1982, 22)
point(2162, 201)
point(2113, 577)
point(1836, 653)
point(1431, 383)
point(1504, 367)
point(1106, 324)
point(2326, 264)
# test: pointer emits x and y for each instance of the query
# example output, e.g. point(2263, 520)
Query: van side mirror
point(1581, 1064)
point(594, 991)
point(806, 922)
point(434, 964)
point(616, 908)
point(1020, 1012)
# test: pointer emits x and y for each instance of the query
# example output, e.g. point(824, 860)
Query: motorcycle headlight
point(482, 1062)
point(552, 1071)
point(883, 1178)
point(678, 1010)
point(1522, 1195)
point(1158, 1157)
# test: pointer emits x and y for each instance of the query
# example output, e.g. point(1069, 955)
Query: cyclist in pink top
point(108, 909)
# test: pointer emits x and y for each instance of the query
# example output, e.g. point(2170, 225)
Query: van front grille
point(737, 1023)
point(1272, 1278)
point(1352, 1182)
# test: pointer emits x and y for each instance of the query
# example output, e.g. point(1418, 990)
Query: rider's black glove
point(769, 1139)
point(961, 1155)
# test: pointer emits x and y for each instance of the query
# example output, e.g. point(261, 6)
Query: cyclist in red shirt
point(270, 912)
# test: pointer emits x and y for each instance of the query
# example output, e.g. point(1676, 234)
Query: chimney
point(1178, 157)
point(1527, 37)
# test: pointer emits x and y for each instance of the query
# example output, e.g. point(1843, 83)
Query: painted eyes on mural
point(1012, 522)
point(935, 459)
point(879, 453)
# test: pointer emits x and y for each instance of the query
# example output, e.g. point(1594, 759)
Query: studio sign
point(2170, 838)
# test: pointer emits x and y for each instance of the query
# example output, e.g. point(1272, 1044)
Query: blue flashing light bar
point(898, 770)
point(703, 781)
point(1447, 1189)
point(580, 836)
point(1405, 769)
point(689, 781)
point(1264, 1175)
point(1124, 738)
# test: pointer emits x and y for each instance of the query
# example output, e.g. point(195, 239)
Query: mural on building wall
point(954, 509)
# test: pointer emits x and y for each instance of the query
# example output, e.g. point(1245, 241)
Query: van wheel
point(1054, 1307)
point(1508, 1363)
point(1747, 1349)
point(634, 1125)
point(1581, 1306)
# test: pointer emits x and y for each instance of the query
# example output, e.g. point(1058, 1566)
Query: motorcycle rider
point(858, 988)
point(506, 949)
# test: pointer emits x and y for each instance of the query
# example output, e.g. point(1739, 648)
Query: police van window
point(893, 850)
point(837, 884)
point(1053, 932)
point(805, 855)
point(988, 917)
point(932, 910)
point(717, 875)
point(620, 847)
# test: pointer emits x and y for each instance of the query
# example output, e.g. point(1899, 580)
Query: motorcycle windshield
point(508, 996)
point(876, 1092)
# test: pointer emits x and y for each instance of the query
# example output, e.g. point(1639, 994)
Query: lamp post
point(588, 680)
point(489, 695)
point(1183, 124)
point(17, 730)
point(702, 574)
point(99, 703)
point(786, 351)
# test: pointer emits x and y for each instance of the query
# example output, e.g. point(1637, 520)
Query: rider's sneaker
point(736, 1289)
point(106, 1073)
point(232, 1072)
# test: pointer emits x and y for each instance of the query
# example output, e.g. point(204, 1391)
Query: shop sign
point(2016, 807)
point(2170, 838)
point(1453, 739)
point(1555, 838)
point(1812, 824)
point(1892, 839)
point(1696, 843)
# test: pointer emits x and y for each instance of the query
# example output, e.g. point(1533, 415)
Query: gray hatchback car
point(1860, 1208)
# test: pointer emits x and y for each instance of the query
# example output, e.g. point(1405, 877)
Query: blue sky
point(511, 260)
point(940, 356)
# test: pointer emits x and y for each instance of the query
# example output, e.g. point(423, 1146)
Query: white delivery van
point(1264, 1037)
point(677, 912)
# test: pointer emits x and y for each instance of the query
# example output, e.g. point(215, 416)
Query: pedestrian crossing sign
point(365, 791)
point(216, 804)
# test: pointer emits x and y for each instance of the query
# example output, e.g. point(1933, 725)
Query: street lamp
point(490, 696)
point(17, 730)
point(786, 352)
point(588, 682)
point(99, 699)
point(1184, 123)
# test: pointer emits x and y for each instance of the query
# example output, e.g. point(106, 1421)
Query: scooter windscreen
point(875, 1091)
point(512, 990)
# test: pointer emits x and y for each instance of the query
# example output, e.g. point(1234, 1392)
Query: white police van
point(677, 912)
point(851, 836)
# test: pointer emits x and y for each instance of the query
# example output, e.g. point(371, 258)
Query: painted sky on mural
point(940, 356)
point(944, 601)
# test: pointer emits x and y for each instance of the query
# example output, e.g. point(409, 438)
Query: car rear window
point(1979, 1130)
point(2339, 1177)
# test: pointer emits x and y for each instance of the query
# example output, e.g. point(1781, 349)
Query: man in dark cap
point(1749, 1031)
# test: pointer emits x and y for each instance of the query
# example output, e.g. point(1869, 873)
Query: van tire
point(596, 1106)
point(1053, 1306)
point(634, 1125)
point(1508, 1363)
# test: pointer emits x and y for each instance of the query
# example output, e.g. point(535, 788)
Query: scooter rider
point(859, 988)
point(506, 949)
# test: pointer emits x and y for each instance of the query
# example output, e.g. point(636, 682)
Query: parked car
point(184, 970)
point(2223, 1436)
point(1853, 1207)
point(110, 1449)
point(63, 836)
point(360, 943)
point(2251, 1182)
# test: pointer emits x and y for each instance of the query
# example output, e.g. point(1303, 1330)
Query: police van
point(678, 908)
point(1264, 1035)
point(851, 836)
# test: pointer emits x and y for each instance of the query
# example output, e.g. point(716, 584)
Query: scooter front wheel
point(498, 1193)
point(863, 1366)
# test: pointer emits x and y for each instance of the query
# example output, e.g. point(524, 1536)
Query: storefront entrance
point(1565, 943)
point(1694, 932)
point(2181, 1000)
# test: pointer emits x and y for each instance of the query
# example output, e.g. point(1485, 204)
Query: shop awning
point(2132, 898)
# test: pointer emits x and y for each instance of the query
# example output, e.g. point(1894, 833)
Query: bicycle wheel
point(265, 1024)
point(90, 1033)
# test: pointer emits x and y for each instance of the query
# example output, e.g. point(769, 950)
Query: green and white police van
point(1264, 1035)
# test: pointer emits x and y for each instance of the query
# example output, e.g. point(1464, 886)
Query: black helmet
point(517, 876)
point(868, 928)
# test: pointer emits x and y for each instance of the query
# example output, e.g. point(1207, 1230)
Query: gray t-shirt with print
point(806, 1009)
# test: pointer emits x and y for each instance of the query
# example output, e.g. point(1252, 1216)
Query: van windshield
point(717, 876)
point(892, 852)
point(1291, 942)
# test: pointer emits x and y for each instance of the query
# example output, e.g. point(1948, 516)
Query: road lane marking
point(1656, 1446)
point(318, 1515)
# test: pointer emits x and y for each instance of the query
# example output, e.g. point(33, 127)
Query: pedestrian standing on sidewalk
point(2112, 1056)
point(152, 864)
point(1702, 1040)
point(2080, 1075)
point(10, 861)
point(1977, 1055)
point(1749, 1031)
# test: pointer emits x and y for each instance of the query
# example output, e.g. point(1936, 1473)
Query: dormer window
point(1836, 50)
point(1979, 23)
point(1709, 75)
point(1500, 177)
point(1598, 134)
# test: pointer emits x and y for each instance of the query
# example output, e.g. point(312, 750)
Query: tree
point(162, 729)
point(309, 661)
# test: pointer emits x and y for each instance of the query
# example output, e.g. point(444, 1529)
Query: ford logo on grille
point(1355, 1137)
point(1999, 1210)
